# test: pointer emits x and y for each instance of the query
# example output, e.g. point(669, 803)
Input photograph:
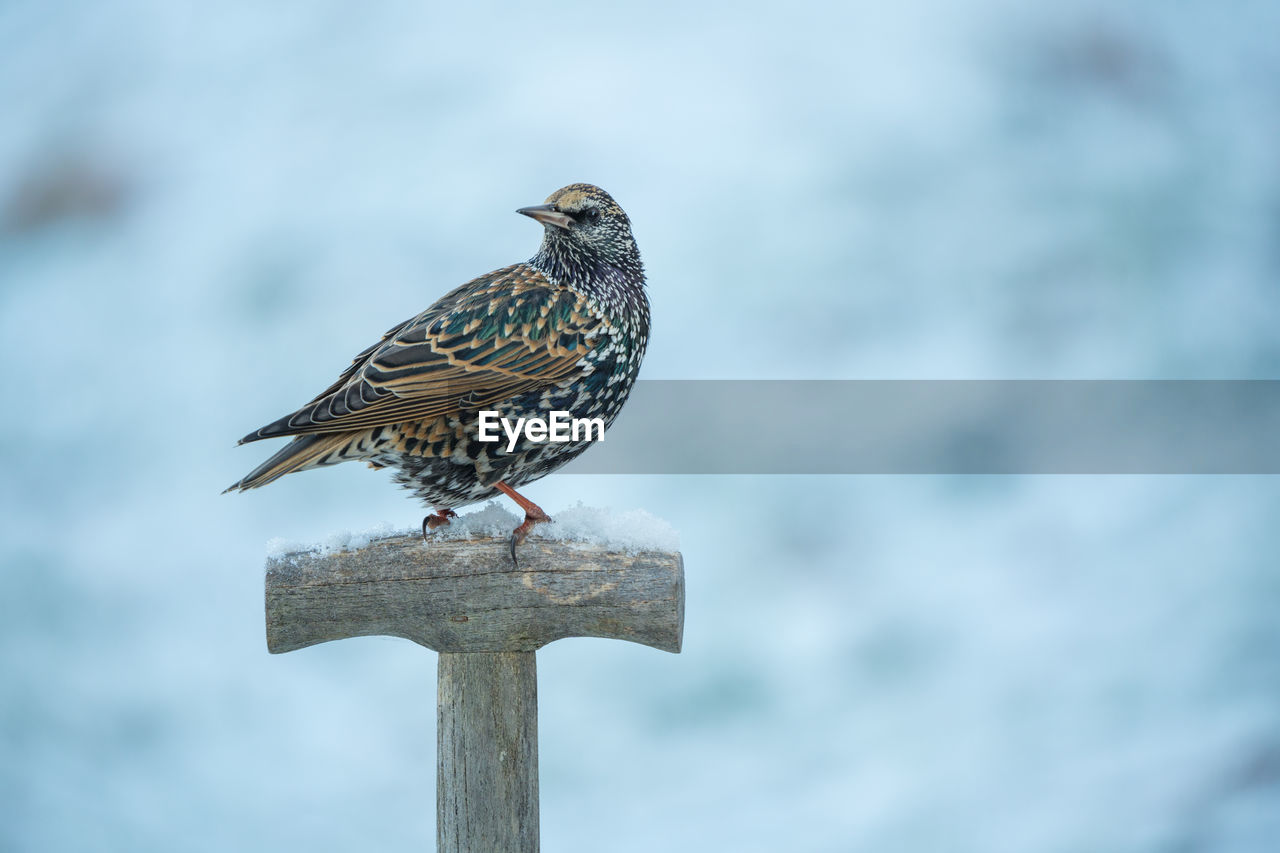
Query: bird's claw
point(518, 535)
point(439, 518)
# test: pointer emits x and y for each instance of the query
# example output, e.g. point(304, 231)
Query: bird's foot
point(531, 517)
point(439, 518)
point(533, 514)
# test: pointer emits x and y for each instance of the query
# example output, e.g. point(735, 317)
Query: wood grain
point(486, 617)
point(466, 596)
point(487, 741)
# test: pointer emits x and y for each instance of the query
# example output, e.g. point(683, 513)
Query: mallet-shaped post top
point(486, 617)
point(466, 596)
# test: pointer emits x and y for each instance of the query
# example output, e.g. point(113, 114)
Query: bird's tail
point(306, 451)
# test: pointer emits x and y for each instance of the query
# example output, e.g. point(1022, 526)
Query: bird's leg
point(439, 518)
point(533, 514)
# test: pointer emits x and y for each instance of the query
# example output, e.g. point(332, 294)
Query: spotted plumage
point(564, 331)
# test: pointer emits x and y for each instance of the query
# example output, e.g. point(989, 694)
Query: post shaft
point(487, 756)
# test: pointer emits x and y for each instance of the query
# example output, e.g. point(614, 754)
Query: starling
point(565, 331)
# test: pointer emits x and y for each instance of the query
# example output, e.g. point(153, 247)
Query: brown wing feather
point(487, 341)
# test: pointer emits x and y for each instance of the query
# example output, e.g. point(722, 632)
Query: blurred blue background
point(205, 211)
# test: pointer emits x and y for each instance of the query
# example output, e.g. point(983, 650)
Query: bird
point(564, 331)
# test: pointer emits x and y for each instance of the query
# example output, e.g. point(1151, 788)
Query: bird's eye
point(592, 215)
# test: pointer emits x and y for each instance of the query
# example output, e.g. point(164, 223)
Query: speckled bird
point(564, 331)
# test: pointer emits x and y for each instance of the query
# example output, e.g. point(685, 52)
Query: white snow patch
point(343, 540)
point(629, 530)
point(490, 521)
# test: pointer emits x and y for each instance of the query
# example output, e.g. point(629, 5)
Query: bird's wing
point(502, 334)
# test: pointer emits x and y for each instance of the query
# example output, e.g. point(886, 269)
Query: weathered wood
point(466, 596)
point(487, 741)
point(486, 617)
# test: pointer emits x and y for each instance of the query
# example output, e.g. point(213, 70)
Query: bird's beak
point(547, 215)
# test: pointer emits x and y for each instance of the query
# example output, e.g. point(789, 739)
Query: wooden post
point(487, 752)
point(486, 618)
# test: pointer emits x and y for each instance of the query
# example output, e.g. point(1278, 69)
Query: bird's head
point(583, 222)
